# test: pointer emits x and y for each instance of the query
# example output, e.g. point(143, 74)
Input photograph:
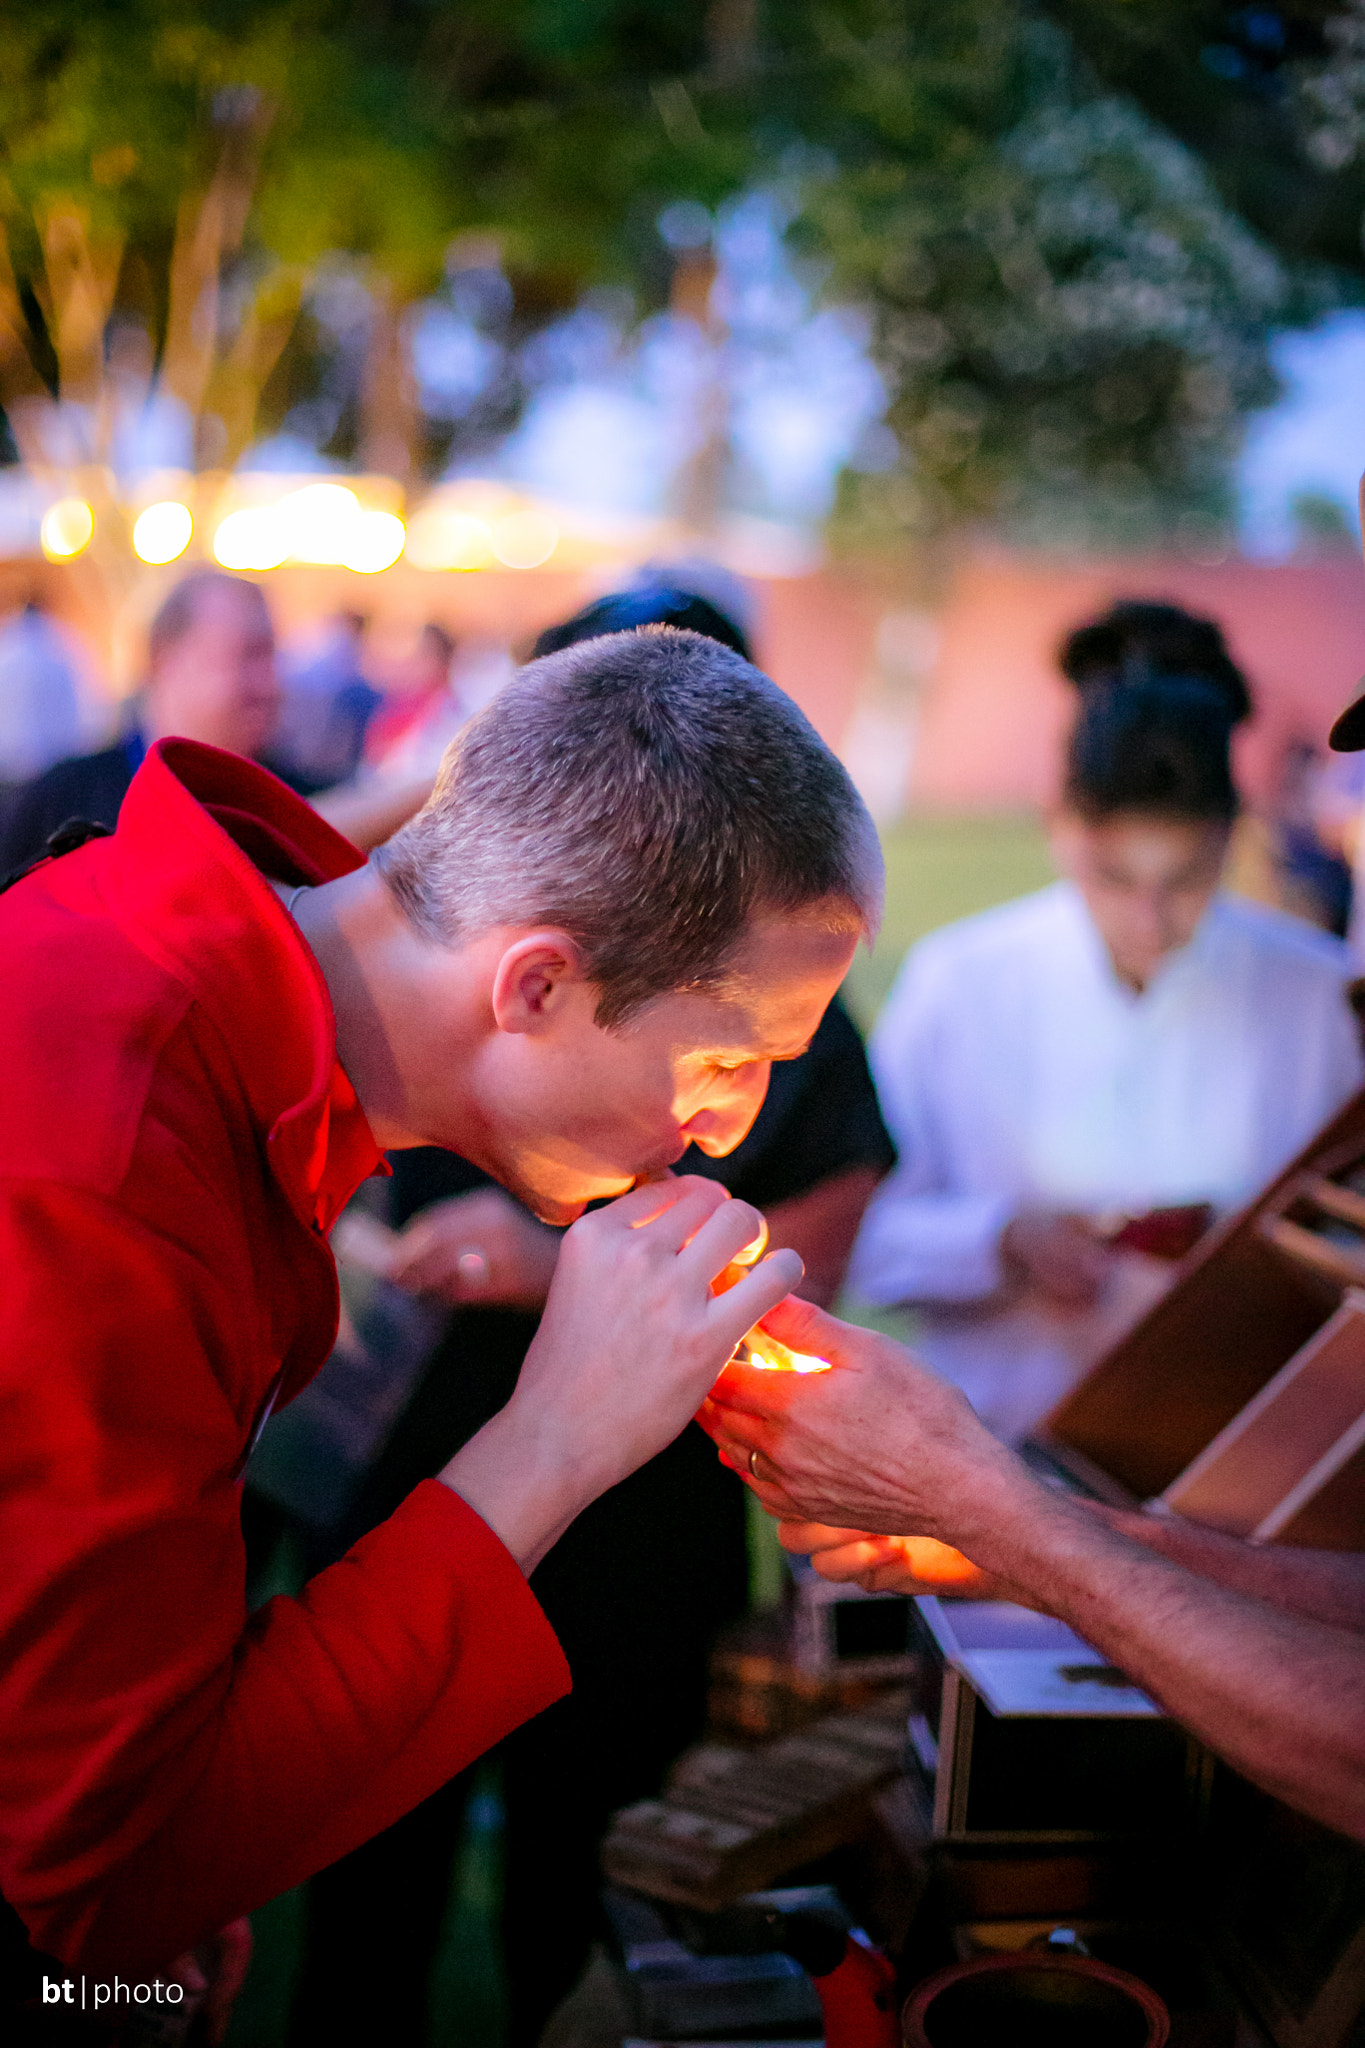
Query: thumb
point(801, 1326)
point(755, 1296)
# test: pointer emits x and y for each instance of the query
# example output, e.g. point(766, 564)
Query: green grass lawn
point(939, 869)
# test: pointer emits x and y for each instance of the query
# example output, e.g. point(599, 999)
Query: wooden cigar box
point(1032, 1738)
point(737, 1820)
point(1239, 1400)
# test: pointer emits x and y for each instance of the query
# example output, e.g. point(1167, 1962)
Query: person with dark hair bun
point(1136, 636)
point(1152, 745)
point(1077, 1081)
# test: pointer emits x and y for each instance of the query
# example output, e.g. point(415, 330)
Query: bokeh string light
point(163, 532)
point(67, 530)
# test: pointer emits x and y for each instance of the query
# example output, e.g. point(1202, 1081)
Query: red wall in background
point(814, 635)
point(994, 711)
point(991, 711)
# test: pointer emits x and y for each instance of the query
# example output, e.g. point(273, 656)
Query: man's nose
point(725, 1119)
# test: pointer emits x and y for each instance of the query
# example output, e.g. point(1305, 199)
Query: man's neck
point(385, 1001)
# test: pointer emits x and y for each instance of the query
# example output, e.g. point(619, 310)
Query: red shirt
point(177, 1140)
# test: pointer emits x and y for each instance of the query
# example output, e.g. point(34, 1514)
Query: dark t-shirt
point(88, 786)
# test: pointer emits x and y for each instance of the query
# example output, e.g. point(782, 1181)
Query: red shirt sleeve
point(170, 1762)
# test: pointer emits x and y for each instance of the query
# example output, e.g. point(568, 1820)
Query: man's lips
point(561, 1213)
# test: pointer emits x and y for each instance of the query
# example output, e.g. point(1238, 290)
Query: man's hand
point(211, 1978)
point(891, 1564)
point(1057, 1254)
point(480, 1248)
point(631, 1339)
point(878, 1444)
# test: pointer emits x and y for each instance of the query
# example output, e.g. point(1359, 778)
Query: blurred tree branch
point(209, 229)
point(1067, 309)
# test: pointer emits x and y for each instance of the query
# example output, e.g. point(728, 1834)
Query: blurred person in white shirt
point(1077, 1081)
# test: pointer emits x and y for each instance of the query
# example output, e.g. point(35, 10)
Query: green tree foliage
point(1074, 322)
point(1227, 79)
point(189, 163)
point(1070, 317)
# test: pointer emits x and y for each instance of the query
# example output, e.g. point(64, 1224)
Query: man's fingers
point(678, 1227)
point(801, 1326)
point(743, 1389)
point(766, 1481)
point(853, 1561)
point(804, 1537)
point(653, 1199)
point(731, 1314)
point(747, 1255)
point(717, 1240)
point(760, 1475)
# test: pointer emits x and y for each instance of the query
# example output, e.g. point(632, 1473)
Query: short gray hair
point(648, 793)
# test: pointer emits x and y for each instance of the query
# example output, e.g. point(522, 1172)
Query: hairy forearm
point(1325, 1585)
point(1279, 1695)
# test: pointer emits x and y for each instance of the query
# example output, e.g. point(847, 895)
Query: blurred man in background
point(210, 676)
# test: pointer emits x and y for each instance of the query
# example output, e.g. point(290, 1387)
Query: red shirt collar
point(197, 835)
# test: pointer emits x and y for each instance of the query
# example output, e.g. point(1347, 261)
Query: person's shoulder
point(964, 968)
point(79, 773)
point(1281, 940)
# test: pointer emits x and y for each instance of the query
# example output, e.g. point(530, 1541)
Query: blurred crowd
point(1062, 1094)
point(325, 712)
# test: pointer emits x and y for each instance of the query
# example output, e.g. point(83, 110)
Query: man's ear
point(535, 978)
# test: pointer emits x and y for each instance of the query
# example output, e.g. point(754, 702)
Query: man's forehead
point(783, 957)
point(755, 1019)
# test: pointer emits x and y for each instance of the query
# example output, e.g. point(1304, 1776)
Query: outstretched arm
point(1325, 1585)
point(879, 1444)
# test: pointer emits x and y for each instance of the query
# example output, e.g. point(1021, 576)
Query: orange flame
point(767, 1355)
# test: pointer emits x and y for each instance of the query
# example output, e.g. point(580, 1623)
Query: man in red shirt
point(640, 879)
